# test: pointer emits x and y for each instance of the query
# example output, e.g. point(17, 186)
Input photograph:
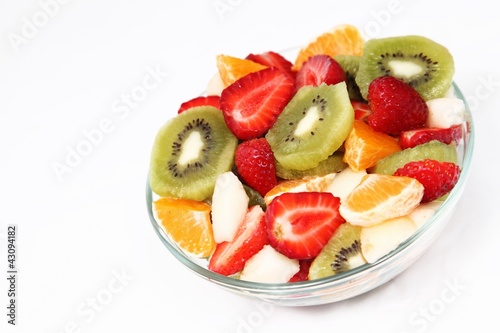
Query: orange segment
point(381, 197)
point(344, 39)
point(306, 184)
point(232, 68)
point(188, 223)
point(364, 147)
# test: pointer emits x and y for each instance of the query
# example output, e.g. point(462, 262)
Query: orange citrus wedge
point(231, 68)
point(306, 184)
point(381, 197)
point(364, 147)
point(188, 223)
point(341, 40)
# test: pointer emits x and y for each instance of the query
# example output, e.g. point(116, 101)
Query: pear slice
point(382, 238)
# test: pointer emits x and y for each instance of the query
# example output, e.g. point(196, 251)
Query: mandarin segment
point(341, 40)
point(364, 147)
point(188, 223)
point(381, 197)
point(232, 68)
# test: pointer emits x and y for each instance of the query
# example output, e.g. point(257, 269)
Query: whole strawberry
point(396, 106)
point(254, 161)
point(438, 178)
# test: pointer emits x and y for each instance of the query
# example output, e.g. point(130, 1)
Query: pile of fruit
point(288, 172)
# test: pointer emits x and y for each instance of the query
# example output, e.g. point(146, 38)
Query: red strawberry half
point(230, 257)
point(211, 100)
point(410, 139)
point(438, 178)
point(396, 106)
point(300, 224)
point(319, 69)
point(254, 161)
point(272, 59)
point(251, 104)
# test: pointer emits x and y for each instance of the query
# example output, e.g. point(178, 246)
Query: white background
point(69, 74)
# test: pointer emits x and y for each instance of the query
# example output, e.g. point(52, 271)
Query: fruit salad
point(298, 169)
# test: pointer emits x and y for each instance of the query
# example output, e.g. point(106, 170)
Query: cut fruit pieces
point(345, 181)
point(189, 152)
point(332, 164)
point(364, 147)
point(188, 223)
point(269, 266)
point(445, 112)
point(424, 64)
point(312, 126)
point(423, 212)
point(232, 69)
point(229, 206)
point(381, 197)
point(381, 239)
point(306, 184)
point(341, 40)
point(341, 253)
point(434, 150)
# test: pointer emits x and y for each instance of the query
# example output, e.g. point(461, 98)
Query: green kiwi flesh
point(312, 126)
point(189, 152)
point(333, 164)
point(434, 149)
point(350, 65)
point(421, 62)
point(341, 253)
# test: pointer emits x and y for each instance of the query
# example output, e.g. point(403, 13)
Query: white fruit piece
point(423, 212)
point(269, 266)
point(215, 85)
point(229, 206)
point(345, 182)
point(380, 239)
point(445, 112)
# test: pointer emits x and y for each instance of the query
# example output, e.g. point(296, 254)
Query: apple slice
point(380, 239)
point(423, 212)
point(229, 206)
point(269, 266)
point(345, 182)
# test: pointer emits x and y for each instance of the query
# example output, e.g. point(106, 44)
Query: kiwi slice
point(333, 164)
point(312, 126)
point(189, 152)
point(341, 253)
point(434, 149)
point(421, 62)
point(350, 65)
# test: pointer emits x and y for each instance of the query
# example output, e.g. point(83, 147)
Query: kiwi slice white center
point(191, 149)
point(421, 62)
point(189, 152)
point(307, 123)
point(405, 69)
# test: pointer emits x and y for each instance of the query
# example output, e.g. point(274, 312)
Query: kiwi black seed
point(421, 62)
point(312, 126)
point(341, 253)
point(350, 65)
point(189, 152)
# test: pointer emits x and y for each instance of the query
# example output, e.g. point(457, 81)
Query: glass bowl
point(347, 284)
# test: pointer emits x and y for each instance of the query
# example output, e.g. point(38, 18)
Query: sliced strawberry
point(303, 273)
point(252, 104)
point(319, 69)
point(300, 224)
point(410, 139)
point(273, 59)
point(396, 106)
point(211, 100)
point(361, 110)
point(438, 178)
point(254, 161)
point(230, 257)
